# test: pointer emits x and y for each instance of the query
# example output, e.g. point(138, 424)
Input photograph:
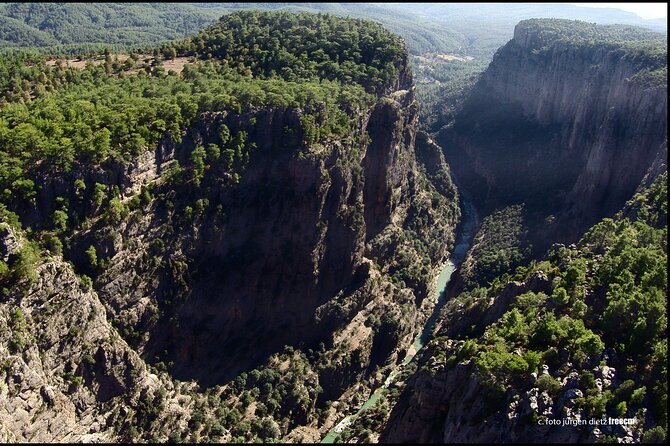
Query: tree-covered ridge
point(303, 46)
point(13, 30)
point(50, 24)
point(551, 30)
point(645, 51)
point(100, 116)
point(57, 121)
point(499, 247)
point(598, 308)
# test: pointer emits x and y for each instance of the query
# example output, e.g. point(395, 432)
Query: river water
point(467, 228)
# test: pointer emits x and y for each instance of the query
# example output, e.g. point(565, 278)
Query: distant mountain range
point(426, 27)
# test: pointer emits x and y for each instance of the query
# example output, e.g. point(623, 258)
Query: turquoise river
point(469, 224)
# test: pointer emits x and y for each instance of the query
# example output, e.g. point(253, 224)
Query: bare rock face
point(10, 244)
point(300, 243)
point(333, 243)
point(389, 160)
point(306, 239)
point(566, 126)
point(66, 374)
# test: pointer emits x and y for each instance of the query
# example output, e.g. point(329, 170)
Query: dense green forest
point(61, 26)
point(604, 304)
point(442, 86)
point(56, 120)
point(599, 303)
point(499, 247)
point(318, 46)
point(71, 27)
point(551, 30)
point(427, 29)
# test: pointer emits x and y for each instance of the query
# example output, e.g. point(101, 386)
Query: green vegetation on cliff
point(303, 46)
point(577, 31)
point(169, 186)
point(643, 50)
point(499, 247)
point(597, 308)
point(69, 136)
point(54, 119)
point(99, 116)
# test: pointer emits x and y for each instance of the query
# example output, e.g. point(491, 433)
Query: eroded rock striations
point(567, 119)
point(67, 376)
point(331, 244)
point(571, 121)
point(293, 236)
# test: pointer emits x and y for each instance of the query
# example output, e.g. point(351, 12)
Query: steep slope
point(566, 120)
point(571, 347)
point(66, 374)
point(292, 234)
point(270, 196)
point(580, 337)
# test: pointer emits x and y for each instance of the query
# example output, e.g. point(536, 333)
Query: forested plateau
point(233, 231)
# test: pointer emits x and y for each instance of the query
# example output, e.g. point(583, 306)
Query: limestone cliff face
point(335, 242)
point(295, 243)
point(216, 295)
point(66, 374)
point(564, 125)
point(569, 129)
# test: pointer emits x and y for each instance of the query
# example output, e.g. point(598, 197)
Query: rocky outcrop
point(461, 390)
point(447, 406)
point(332, 243)
point(265, 264)
point(389, 159)
point(67, 376)
point(563, 123)
point(10, 243)
point(447, 401)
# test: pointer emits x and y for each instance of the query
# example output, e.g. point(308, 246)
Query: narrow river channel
point(468, 226)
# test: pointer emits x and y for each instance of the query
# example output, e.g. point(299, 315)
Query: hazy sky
point(644, 10)
point(657, 10)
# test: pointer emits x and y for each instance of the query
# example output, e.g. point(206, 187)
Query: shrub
point(92, 256)
point(549, 384)
point(86, 282)
point(54, 245)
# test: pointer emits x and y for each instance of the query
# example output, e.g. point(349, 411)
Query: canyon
point(261, 268)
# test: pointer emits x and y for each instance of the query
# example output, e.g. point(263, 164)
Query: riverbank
point(466, 231)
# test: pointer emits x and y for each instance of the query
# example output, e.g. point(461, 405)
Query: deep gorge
point(246, 249)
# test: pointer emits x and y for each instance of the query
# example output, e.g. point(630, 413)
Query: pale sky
point(644, 10)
